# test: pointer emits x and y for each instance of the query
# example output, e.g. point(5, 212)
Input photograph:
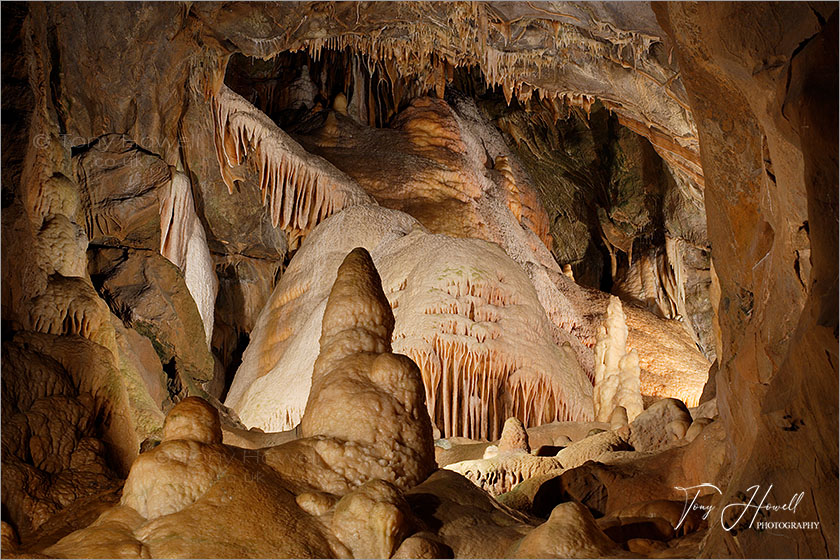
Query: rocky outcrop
point(150, 295)
point(570, 531)
point(465, 518)
point(778, 377)
point(346, 451)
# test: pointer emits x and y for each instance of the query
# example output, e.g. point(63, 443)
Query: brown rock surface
point(624, 478)
point(466, 518)
point(119, 188)
point(570, 531)
point(149, 294)
point(102, 103)
point(777, 385)
point(654, 428)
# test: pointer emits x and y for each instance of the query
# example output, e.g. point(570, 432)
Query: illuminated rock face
point(465, 313)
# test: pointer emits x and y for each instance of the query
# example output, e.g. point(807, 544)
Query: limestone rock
point(52, 451)
point(521, 496)
point(591, 448)
point(422, 545)
point(372, 521)
point(457, 452)
point(150, 295)
point(562, 433)
point(624, 478)
point(798, 377)
point(570, 532)
point(120, 186)
point(671, 511)
point(650, 431)
point(465, 518)
point(618, 418)
point(696, 428)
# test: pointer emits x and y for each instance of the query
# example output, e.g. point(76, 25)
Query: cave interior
point(419, 280)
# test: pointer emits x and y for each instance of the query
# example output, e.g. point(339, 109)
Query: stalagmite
point(514, 437)
point(271, 385)
point(616, 370)
point(184, 243)
point(365, 416)
point(300, 188)
point(465, 313)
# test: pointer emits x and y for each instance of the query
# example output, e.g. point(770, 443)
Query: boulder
point(149, 294)
point(650, 432)
point(570, 532)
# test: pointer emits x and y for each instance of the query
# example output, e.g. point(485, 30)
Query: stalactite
point(474, 380)
point(419, 59)
point(301, 189)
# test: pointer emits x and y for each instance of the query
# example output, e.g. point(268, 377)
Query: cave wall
point(762, 80)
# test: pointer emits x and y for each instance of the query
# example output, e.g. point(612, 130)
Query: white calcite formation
point(502, 472)
point(465, 313)
point(184, 243)
point(271, 385)
point(300, 188)
point(471, 319)
point(616, 370)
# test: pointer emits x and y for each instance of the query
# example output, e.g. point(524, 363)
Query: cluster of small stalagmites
point(665, 424)
point(617, 372)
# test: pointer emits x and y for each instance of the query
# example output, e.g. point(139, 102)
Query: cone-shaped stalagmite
point(362, 394)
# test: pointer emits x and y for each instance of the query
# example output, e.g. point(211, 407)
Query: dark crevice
point(173, 381)
point(55, 80)
point(789, 77)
